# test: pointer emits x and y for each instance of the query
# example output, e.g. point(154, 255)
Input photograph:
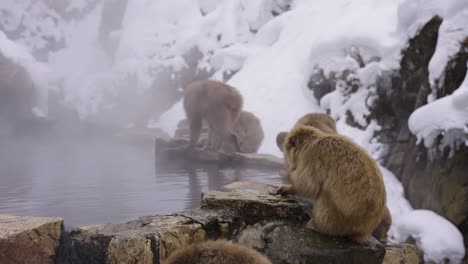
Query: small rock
point(29, 239)
point(402, 254)
point(130, 250)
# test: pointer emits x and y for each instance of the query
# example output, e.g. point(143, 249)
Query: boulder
point(145, 240)
point(29, 239)
point(273, 225)
point(402, 254)
point(290, 243)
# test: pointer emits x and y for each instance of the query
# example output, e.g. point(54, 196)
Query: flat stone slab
point(255, 205)
point(140, 241)
point(402, 254)
point(176, 150)
point(29, 239)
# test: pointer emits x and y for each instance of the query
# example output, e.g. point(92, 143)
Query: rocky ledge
point(167, 149)
point(29, 239)
point(270, 224)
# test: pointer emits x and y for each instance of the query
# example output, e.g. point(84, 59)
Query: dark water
point(100, 181)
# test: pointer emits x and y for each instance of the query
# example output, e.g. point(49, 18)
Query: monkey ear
point(280, 138)
point(292, 141)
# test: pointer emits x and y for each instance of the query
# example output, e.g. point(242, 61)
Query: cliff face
point(434, 178)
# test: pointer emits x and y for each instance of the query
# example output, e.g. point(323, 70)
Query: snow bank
point(274, 75)
point(452, 32)
point(413, 14)
point(449, 112)
point(437, 237)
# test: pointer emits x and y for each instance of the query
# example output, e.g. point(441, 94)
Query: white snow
point(272, 58)
point(452, 32)
point(449, 112)
point(437, 237)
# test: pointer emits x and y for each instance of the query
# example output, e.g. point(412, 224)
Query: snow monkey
point(217, 103)
point(216, 252)
point(341, 178)
point(327, 124)
point(249, 132)
point(320, 121)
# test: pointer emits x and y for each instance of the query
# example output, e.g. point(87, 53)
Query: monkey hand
point(283, 173)
point(283, 190)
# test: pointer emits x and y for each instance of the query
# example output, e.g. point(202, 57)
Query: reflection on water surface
point(96, 181)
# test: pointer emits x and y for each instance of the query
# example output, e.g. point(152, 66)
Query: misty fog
point(86, 86)
point(86, 150)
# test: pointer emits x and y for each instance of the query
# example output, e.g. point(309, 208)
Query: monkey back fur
point(216, 252)
point(342, 178)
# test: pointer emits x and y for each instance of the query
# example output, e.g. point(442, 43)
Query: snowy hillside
point(269, 47)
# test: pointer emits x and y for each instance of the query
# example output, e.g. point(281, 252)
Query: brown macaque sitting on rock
point(327, 125)
point(341, 178)
point(216, 252)
point(219, 105)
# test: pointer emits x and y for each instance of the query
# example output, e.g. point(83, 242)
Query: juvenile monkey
point(216, 252)
point(249, 132)
point(341, 178)
point(217, 103)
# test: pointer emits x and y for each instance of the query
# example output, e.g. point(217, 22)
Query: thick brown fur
point(382, 229)
point(216, 252)
point(320, 121)
point(327, 124)
point(217, 103)
point(341, 178)
point(249, 132)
